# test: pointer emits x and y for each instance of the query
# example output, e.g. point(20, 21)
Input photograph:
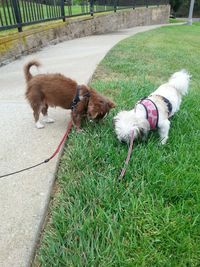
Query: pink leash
point(128, 157)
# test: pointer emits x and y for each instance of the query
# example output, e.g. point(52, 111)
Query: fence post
point(62, 6)
point(115, 5)
point(134, 4)
point(91, 7)
point(17, 15)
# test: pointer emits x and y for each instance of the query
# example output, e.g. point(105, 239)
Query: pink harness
point(151, 112)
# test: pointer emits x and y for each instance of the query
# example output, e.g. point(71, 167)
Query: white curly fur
point(135, 120)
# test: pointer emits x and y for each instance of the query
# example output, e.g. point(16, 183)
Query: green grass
point(152, 217)
point(171, 20)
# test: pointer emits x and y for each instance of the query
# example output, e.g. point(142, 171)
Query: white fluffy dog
point(153, 111)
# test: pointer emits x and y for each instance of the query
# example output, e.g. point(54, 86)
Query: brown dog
point(44, 90)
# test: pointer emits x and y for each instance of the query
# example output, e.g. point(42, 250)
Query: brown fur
point(44, 90)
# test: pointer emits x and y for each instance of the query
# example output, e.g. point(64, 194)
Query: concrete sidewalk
point(24, 197)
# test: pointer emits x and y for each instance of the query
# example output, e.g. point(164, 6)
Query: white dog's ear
point(141, 129)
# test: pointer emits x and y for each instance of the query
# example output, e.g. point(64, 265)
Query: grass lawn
point(171, 20)
point(152, 218)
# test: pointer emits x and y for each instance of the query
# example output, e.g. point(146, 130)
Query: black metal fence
point(18, 13)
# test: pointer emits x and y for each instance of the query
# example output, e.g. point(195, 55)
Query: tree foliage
point(181, 7)
point(175, 5)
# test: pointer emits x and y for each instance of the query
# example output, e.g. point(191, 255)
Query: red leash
point(128, 157)
point(62, 141)
point(46, 160)
point(59, 147)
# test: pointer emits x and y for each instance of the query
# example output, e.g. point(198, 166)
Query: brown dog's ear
point(92, 113)
point(111, 104)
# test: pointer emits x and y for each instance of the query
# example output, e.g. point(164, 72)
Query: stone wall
point(18, 44)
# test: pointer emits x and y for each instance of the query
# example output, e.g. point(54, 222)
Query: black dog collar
point(77, 97)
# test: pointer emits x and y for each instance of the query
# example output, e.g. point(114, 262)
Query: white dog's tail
point(180, 80)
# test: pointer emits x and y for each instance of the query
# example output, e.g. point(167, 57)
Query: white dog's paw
point(39, 125)
point(164, 140)
point(48, 119)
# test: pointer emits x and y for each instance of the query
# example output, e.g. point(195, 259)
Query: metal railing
point(18, 13)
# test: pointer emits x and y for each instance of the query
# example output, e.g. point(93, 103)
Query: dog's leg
point(45, 114)
point(164, 127)
point(76, 118)
point(36, 114)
